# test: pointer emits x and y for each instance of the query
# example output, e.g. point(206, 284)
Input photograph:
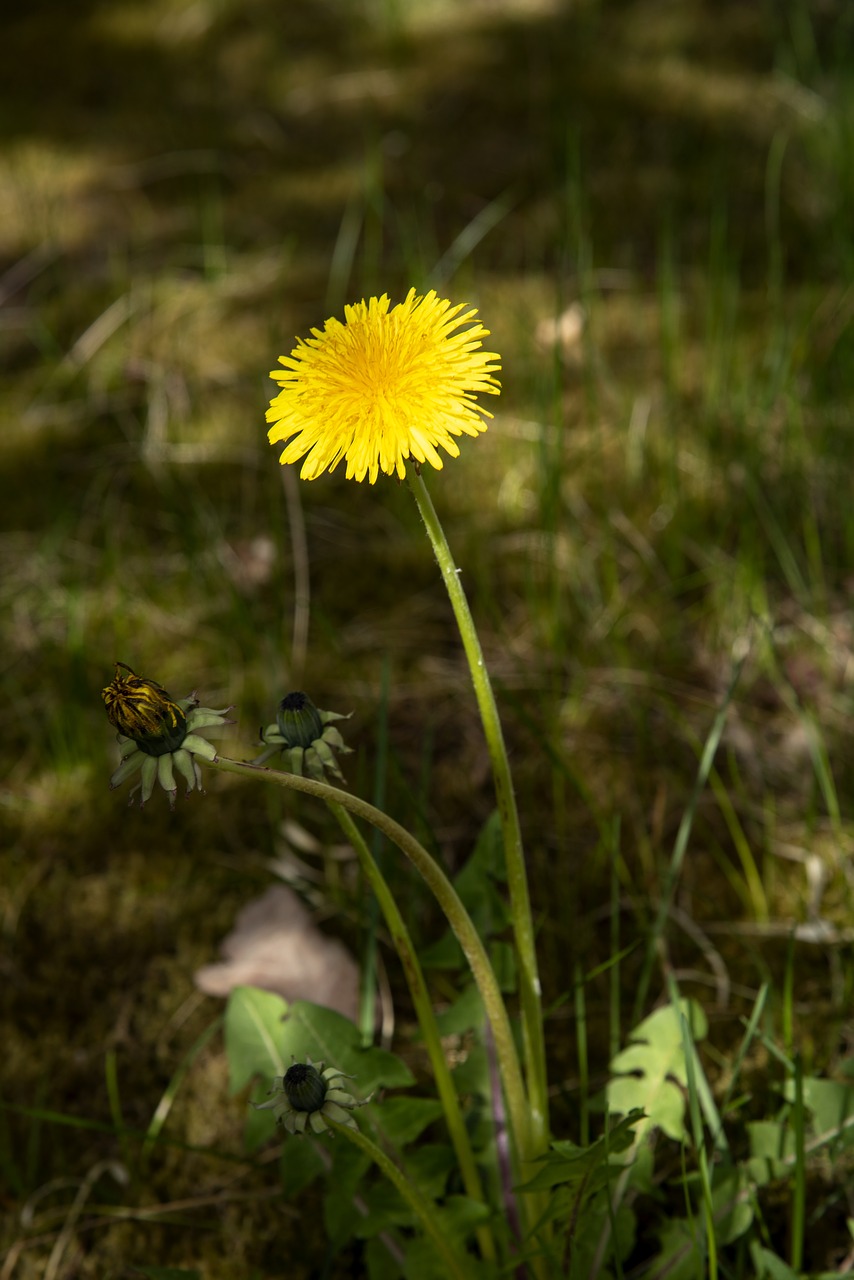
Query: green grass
point(183, 190)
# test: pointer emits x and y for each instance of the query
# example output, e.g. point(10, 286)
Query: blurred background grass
point(651, 204)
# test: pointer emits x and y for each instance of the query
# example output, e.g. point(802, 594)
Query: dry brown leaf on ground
point(276, 945)
point(563, 331)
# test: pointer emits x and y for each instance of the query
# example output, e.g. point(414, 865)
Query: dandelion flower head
point(158, 735)
point(390, 384)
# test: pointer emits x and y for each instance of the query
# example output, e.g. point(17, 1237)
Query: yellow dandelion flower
point(387, 385)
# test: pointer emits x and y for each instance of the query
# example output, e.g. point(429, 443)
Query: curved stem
point(517, 879)
point(457, 1266)
point(455, 913)
point(426, 1018)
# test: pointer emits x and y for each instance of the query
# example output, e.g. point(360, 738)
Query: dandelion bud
point(308, 1095)
point(158, 735)
point(298, 720)
point(305, 736)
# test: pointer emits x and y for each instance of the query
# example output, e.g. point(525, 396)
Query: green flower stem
point(455, 913)
point(456, 1266)
point(426, 1017)
point(517, 879)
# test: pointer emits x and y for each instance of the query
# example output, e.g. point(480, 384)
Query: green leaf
point(589, 1228)
point(732, 1207)
point(422, 1262)
point(401, 1120)
point(472, 1074)
point(683, 1252)
point(832, 1108)
point(444, 953)
point(772, 1145)
point(649, 1072)
point(465, 1014)
point(263, 1034)
point(348, 1180)
point(253, 1035)
point(258, 1126)
point(379, 1262)
point(480, 886)
point(386, 1211)
point(428, 1166)
point(568, 1164)
point(502, 957)
point(767, 1266)
point(683, 1241)
point(457, 1217)
point(642, 1171)
point(300, 1165)
point(460, 1215)
point(481, 880)
point(323, 1035)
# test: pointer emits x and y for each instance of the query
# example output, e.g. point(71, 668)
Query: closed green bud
point(298, 720)
point(307, 1096)
point(305, 1087)
point(305, 737)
